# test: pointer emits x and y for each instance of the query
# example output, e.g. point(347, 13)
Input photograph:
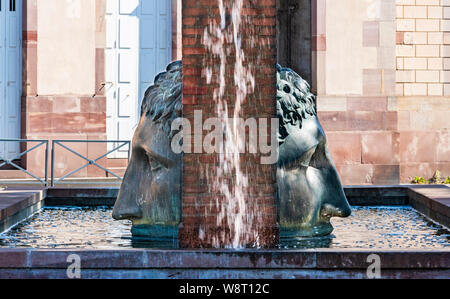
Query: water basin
point(93, 228)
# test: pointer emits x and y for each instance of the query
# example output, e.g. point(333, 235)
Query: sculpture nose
point(126, 213)
point(329, 211)
point(126, 206)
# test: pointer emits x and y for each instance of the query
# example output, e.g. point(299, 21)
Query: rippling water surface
point(374, 227)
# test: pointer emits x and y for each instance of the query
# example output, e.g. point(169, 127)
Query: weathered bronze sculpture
point(309, 189)
point(150, 194)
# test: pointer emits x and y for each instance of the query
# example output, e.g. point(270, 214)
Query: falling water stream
point(224, 41)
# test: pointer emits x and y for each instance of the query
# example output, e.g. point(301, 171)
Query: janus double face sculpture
point(309, 189)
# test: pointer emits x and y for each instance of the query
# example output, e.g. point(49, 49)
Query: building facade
point(77, 69)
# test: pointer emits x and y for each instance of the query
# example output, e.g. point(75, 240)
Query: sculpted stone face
point(309, 189)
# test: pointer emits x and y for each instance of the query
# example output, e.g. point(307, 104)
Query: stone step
point(120, 171)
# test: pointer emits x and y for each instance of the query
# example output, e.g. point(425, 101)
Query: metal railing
point(93, 162)
point(10, 161)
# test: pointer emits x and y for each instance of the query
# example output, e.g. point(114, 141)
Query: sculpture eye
point(154, 164)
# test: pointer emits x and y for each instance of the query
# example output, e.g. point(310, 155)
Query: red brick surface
point(199, 200)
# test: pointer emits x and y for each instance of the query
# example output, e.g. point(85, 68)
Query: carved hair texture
point(162, 101)
point(295, 102)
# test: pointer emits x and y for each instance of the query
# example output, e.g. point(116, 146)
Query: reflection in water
point(374, 227)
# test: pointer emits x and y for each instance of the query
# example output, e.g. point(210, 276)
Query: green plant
point(420, 180)
point(436, 179)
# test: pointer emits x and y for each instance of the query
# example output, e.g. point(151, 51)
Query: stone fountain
point(215, 186)
point(309, 190)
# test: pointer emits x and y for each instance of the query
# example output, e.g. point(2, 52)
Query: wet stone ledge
point(18, 204)
point(376, 195)
point(432, 201)
point(81, 196)
point(33, 263)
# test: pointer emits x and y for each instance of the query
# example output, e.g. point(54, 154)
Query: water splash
point(224, 41)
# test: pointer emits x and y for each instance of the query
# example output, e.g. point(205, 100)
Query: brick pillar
point(201, 225)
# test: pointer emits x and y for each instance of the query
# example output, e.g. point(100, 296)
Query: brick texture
point(421, 30)
point(201, 225)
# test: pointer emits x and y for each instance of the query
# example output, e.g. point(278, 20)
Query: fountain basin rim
point(225, 259)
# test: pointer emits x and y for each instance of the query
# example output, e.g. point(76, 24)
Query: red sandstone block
point(367, 103)
point(67, 122)
point(39, 104)
point(66, 104)
point(333, 121)
point(345, 148)
point(418, 146)
point(364, 120)
point(355, 174)
point(408, 171)
point(351, 120)
point(379, 148)
point(93, 104)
